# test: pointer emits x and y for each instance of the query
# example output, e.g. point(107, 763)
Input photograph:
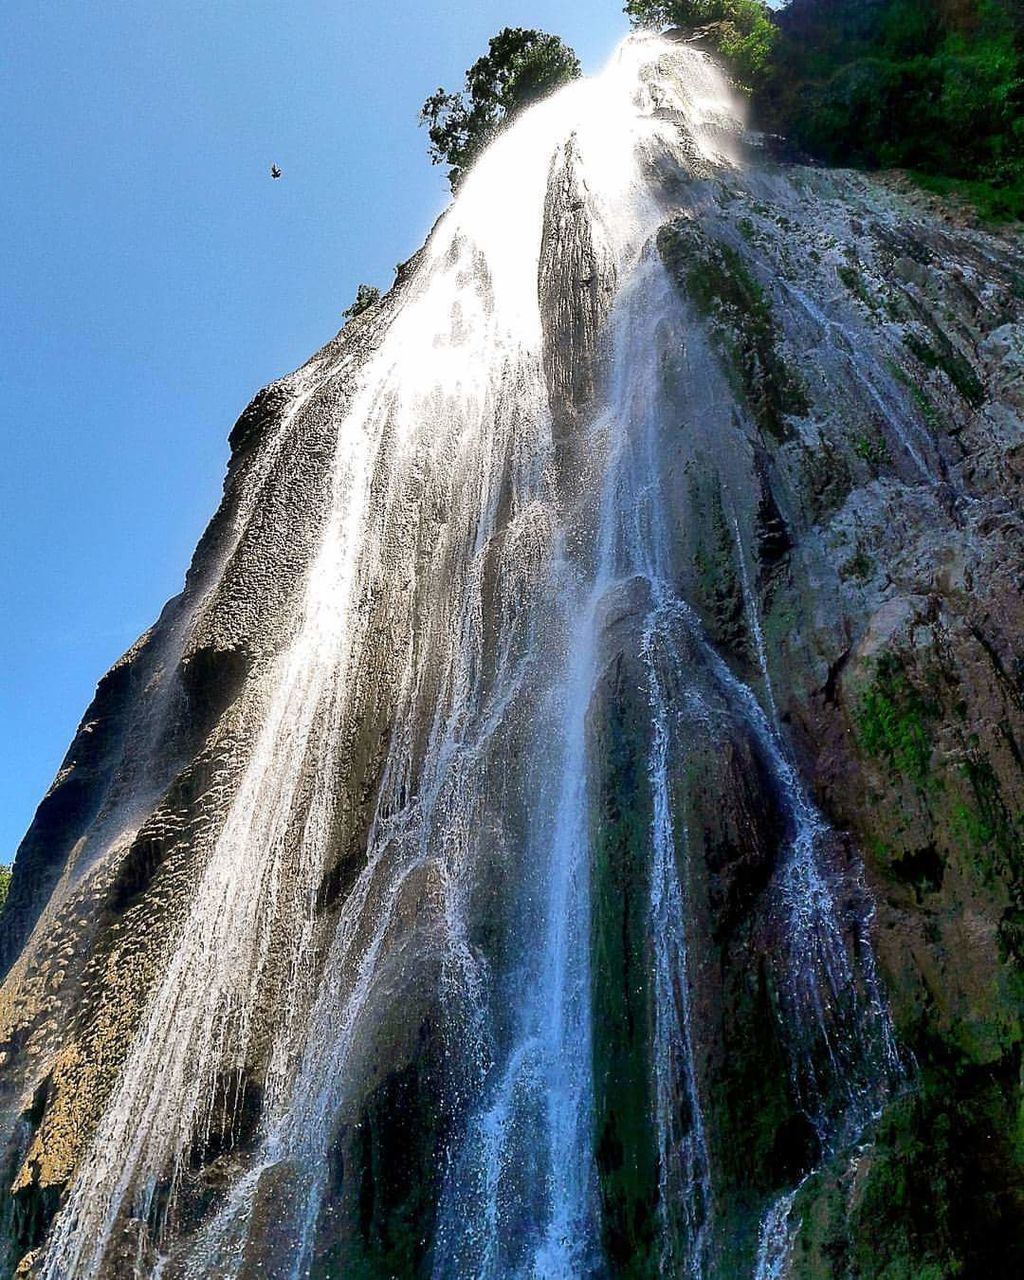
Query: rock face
point(888, 582)
point(569, 823)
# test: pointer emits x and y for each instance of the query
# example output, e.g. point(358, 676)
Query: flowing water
point(466, 566)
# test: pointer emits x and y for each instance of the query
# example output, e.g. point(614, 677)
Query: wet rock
point(622, 963)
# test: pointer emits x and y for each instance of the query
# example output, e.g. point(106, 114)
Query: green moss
point(943, 1183)
point(968, 825)
point(928, 412)
point(5, 884)
point(881, 851)
point(991, 833)
point(782, 621)
point(893, 722)
point(952, 364)
point(939, 1188)
point(741, 324)
point(853, 280)
point(386, 1172)
point(761, 1141)
point(871, 447)
point(717, 590)
point(859, 566)
point(826, 478)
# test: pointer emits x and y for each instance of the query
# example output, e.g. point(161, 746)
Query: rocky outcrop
point(877, 353)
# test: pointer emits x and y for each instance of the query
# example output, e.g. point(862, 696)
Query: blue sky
point(154, 277)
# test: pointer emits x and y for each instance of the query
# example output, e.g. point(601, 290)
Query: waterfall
point(478, 541)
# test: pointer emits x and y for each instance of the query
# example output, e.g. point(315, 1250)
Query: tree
point(367, 295)
point(520, 67)
point(932, 86)
point(742, 31)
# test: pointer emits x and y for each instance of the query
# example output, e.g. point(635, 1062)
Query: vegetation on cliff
point(932, 86)
point(367, 296)
point(742, 31)
point(935, 87)
point(740, 322)
point(520, 67)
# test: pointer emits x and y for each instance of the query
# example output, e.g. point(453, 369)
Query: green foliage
point(742, 31)
point(935, 87)
point(892, 722)
point(520, 67)
point(942, 355)
point(367, 296)
point(870, 447)
point(5, 883)
point(853, 280)
point(1003, 203)
point(932, 86)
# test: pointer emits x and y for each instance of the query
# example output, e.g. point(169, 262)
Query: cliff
point(569, 823)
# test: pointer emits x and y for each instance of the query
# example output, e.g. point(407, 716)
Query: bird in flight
point(275, 172)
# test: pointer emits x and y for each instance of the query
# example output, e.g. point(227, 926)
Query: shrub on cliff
point(367, 295)
point(520, 67)
point(742, 31)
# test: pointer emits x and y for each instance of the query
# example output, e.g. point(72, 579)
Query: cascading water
point(478, 546)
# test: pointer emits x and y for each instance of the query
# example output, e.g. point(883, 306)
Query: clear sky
point(154, 276)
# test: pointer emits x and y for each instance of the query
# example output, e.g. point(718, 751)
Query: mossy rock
point(621, 968)
point(724, 291)
point(894, 721)
point(717, 591)
point(386, 1174)
point(937, 1190)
